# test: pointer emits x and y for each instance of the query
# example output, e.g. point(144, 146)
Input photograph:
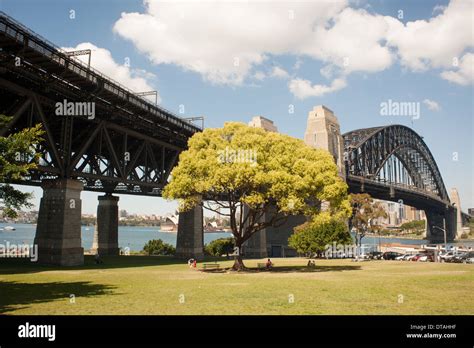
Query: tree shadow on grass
point(24, 265)
point(19, 295)
point(306, 269)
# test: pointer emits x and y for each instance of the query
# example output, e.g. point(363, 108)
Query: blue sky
point(399, 58)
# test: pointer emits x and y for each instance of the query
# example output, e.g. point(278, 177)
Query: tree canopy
point(227, 169)
point(17, 158)
point(314, 236)
point(365, 214)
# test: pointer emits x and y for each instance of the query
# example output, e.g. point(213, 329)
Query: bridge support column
point(106, 233)
point(273, 240)
point(436, 221)
point(451, 224)
point(190, 239)
point(256, 245)
point(58, 233)
point(457, 203)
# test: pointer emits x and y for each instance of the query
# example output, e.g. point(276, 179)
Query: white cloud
point(226, 41)
point(434, 43)
point(438, 8)
point(353, 43)
point(223, 41)
point(102, 60)
point(464, 75)
point(279, 73)
point(297, 64)
point(276, 72)
point(431, 104)
point(259, 75)
point(303, 88)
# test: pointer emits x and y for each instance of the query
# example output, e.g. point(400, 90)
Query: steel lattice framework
point(393, 156)
point(129, 147)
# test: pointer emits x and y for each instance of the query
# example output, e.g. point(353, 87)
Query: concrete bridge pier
point(437, 221)
point(190, 239)
point(106, 233)
point(256, 246)
point(456, 201)
point(273, 240)
point(58, 233)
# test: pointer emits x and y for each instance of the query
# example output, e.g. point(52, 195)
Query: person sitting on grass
point(269, 264)
point(97, 259)
point(311, 263)
point(194, 263)
point(190, 262)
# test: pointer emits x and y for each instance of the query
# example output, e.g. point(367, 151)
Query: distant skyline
point(232, 60)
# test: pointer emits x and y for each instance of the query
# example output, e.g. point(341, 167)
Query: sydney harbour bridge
point(130, 145)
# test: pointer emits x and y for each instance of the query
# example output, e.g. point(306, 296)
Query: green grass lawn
point(158, 285)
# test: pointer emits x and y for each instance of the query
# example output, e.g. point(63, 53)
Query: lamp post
point(444, 231)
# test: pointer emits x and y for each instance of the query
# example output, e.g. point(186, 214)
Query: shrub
point(220, 247)
point(158, 247)
point(313, 237)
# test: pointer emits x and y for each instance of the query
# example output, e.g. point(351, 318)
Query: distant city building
point(262, 122)
point(25, 217)
point(470, 211)
point(398, 214)
point(401, 212)
point(123, 213)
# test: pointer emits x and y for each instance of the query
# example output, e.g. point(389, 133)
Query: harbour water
point(135, 237)
point(129, 236)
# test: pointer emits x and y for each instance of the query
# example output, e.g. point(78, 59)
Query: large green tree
point(313, 237)
point(256, 178)
point(17, 157)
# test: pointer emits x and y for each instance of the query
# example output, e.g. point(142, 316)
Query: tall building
point(401, 212)
point(262, 122)
point(412, 214)
point(393, 217)
point(398, 214)
point(323, 132)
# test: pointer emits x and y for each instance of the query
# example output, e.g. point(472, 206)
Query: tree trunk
point(238, 264)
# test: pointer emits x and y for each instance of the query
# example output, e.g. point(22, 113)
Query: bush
point(414, 226)
point(313, 237)
point(158, 247)
point(220, 247)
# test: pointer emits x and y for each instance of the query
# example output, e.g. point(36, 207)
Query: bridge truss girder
point(105, 156)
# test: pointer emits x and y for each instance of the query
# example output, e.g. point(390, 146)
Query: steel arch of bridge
point(368, 151)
